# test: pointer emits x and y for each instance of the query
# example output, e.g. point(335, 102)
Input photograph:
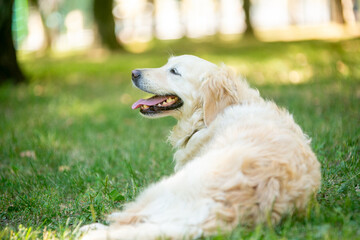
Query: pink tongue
point(150, 102)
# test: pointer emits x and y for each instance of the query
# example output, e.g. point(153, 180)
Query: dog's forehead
point(189, 60)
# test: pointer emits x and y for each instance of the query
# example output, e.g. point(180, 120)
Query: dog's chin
point(159, 114)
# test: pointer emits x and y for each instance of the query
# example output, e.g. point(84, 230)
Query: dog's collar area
point(158, 104)
point(190, 136)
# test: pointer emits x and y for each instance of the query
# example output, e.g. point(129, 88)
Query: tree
point(342, 11)
point(337, 13)
point(249, 28)
point(9, 67)
point(153, 15)
point(104, 19)
point(47, 33)
point(293, 11)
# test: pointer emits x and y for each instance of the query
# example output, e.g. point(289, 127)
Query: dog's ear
point(220, 89)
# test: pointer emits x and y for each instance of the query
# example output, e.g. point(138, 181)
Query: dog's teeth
point(170, 100)
point(144, 107)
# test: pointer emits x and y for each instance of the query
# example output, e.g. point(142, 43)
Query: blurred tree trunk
point(47, 34)
point(9, 68)
point(104, 19)
point(337, 12)
point(293, 11)
point(249, 28)
point(342, 11)
point(153, 15)
point(348, 11)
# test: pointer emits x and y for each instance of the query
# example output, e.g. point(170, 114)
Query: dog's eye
point(175, 71)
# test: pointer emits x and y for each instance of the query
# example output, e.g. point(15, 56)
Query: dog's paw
point(93, 226)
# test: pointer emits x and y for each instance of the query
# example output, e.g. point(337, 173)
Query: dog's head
point(185, 84)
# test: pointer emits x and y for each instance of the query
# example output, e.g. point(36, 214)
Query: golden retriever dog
point(239, 159)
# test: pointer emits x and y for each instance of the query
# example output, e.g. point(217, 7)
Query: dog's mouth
point(158, 104)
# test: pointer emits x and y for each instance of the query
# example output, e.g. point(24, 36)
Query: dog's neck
point(191, 135)
point(182, 138)
point(186, 128)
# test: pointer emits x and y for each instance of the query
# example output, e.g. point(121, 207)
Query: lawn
point(72, 150)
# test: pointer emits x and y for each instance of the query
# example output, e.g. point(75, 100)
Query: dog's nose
point(135, 74)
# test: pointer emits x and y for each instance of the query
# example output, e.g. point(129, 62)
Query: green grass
point(72, 150)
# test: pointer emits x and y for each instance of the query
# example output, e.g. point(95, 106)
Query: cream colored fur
point(239, 160)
